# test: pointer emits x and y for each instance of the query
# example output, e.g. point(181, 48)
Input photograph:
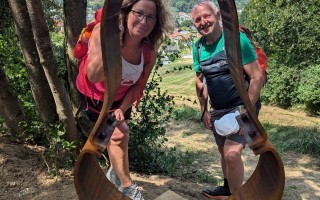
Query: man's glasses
point(140, 15)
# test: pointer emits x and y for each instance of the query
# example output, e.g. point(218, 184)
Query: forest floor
point(24, 174)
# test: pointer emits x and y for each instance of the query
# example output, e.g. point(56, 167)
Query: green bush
point(58, 47)
point(12, 62)
point(148, 127)
point(288, 30)
point(147, 145)
point(282, 87)
point(309, 89)
point(59, 153)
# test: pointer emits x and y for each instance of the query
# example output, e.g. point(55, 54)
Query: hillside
point(24, 175)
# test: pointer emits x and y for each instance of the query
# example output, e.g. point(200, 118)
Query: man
point(210, 62)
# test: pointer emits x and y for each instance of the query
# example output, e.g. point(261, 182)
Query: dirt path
point(23, 173)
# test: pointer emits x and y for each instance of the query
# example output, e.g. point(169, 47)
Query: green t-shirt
point(207, 51)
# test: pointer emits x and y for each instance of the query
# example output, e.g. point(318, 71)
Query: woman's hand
point(119, 115)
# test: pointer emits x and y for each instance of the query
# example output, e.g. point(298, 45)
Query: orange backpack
point(262, 57)
point(81, 48)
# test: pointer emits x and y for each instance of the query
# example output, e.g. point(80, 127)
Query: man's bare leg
point(234, 165)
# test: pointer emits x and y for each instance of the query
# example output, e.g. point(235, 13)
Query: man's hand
point(207, 120)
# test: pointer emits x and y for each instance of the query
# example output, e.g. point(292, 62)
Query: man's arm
point(256, 78)
point(203, 99)
point(199, 85)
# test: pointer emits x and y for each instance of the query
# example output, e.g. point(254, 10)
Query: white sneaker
point(113, 178)
point(132, 192)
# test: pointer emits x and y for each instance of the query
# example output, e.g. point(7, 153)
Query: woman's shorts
point(93, 107)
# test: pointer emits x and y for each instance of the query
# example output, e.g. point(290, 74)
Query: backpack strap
point(246, 31)
point(199, 47)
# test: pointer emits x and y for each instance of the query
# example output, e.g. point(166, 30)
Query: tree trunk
point(74, 20)
point(43, 43)
point(10, 108)
point(39, 86)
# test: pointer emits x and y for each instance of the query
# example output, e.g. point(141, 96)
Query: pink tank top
point(96, 90)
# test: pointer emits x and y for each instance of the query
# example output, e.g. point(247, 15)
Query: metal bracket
point(250, 130)
point(103, 134)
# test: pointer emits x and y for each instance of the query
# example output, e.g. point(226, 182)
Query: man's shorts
point(217, 114)
point(220, 140)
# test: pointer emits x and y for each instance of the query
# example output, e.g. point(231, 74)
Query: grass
point(303, 140)
point(186, 113)
point(179, 80)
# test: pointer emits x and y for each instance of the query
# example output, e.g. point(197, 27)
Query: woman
point(143, 25)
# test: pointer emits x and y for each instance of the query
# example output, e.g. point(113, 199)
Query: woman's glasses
point(140, 15)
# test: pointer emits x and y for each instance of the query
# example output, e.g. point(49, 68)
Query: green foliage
point(186, 25)
point(288, 30)
point(163, 51)
point(5, 16)
point(58, 152)
point(34, 132)
point(58, 47)
point(148, 152)
point(181, 76)
point(52, 10)
point(309, 89)
point(94, 5)
point(11, 57)
point(12, 62)
point(282, 86)
point(147, 128)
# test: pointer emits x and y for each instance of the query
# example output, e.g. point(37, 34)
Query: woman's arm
point(94, 64)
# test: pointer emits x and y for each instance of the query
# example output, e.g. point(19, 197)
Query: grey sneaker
point(132, 192)
point(113, 178)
